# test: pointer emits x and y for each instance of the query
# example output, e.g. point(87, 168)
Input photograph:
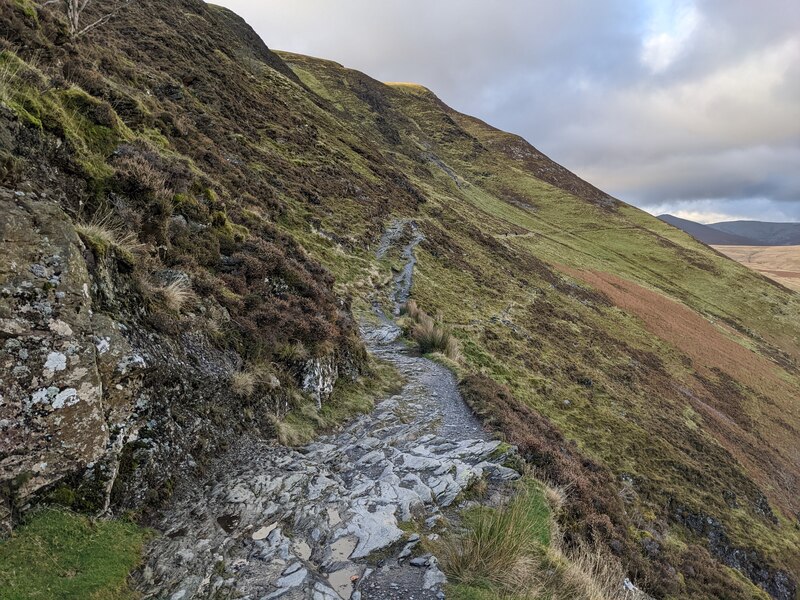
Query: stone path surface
point(343, 517)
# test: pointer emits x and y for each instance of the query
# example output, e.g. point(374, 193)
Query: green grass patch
point(63, 555)
point(494, 542)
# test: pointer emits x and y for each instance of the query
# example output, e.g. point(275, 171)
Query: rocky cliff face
point(129, 299)
point(53, 410)
point(93, 398)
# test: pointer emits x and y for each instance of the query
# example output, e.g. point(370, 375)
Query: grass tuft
point(104, 234)
point(243, 383)
point(174, 295)
point(430, 335)
point(516, 551)
point(496, 543)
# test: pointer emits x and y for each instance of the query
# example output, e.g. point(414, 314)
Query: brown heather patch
point(688, 331)
point(593, 509)
point(741, 395)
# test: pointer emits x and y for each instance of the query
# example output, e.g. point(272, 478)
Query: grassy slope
point(682, 373)
point(559, 297)
point(63, 555)
point(781, 263)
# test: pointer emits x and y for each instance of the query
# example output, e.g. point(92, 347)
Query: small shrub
point(139, 176)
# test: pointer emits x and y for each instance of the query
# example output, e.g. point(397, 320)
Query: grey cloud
point(718, 121)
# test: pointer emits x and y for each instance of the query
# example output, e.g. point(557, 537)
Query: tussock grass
point(496, 543)
point(293, 352)
point(103, 234)
point(517, 551)
point(243, 383)
point(430, 335)
point(174, 295)
point(585, 573)
point(255, 377)
point(8, 73)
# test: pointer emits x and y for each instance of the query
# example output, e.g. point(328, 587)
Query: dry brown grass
point(586, 573)
point(430, 335)
point(243, 383)
point(706, 344)
point(411, 310)
point(729, 378)
point(174, 295)
point(9, 70)
point(103, 233)
point(255, 377)
point(781, 263)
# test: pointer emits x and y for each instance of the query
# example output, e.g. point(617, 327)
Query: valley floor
point(780, 263)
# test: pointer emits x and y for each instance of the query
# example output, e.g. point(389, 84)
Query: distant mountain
point(765, 234)
point(708, 234)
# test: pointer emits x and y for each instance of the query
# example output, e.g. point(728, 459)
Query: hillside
point(191, 228)
point(708, 234)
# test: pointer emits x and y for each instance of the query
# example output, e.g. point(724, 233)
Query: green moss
point(155, 136)
point(62, 555)
point(63, 496)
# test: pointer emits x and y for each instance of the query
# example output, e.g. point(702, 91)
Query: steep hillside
point(707, 234)
point(190, 224)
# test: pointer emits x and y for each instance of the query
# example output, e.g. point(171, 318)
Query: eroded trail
point(324, 521)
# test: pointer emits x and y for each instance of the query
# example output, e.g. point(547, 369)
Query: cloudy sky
point(683, 106)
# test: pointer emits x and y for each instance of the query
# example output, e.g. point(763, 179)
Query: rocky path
point(343, 517)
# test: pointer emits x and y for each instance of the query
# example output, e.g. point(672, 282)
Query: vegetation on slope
point(59, 554)
point(629, 362)
point(531, 277)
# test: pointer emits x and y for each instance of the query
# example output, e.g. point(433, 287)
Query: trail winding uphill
point(324, 521)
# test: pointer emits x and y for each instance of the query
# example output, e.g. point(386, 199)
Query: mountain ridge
point(707, 234)
point(768, 233)
point(739, 233)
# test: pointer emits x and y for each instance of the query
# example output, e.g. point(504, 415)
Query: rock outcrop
point(52, 410)
point(94, 401)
